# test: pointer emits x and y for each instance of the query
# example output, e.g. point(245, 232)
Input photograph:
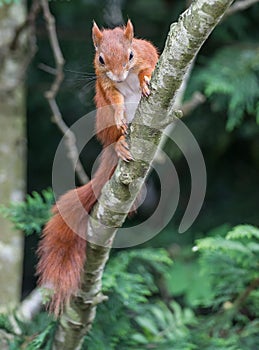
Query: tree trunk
point(12, 147)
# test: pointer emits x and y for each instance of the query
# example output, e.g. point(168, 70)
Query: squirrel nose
point(122, 75)
point(119, 77)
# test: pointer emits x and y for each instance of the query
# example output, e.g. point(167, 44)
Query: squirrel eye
point(131, 56)
point(101, 60)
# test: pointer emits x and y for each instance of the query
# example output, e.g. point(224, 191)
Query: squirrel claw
point(120, 120)
point(147, 79)
point(124, 128)
point(122, 149)
point(145, 90)
point(145, 86)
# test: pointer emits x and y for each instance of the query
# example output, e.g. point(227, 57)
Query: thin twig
point(51, 94)
point(47, 68)
point(187, 108)
point(197, 99)
point(58, 56)
point(25, 312)
point(73, 154)
point(30, 306)
point(240, 6)
point(230, 309)
point(244, 295)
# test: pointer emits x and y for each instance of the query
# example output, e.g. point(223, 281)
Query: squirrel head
point(114, 54)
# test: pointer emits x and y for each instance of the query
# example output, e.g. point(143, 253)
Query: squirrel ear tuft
point(96, 35)
point(129, 31)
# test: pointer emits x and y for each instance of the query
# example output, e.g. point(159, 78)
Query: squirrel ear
point(96, 35)
point(129, 31)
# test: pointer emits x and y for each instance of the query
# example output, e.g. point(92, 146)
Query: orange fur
point(62, 250)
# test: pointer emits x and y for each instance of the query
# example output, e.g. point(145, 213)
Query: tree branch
point(51, 94)
point(152, 116)
point(230, 309)
point(30, 306)
point(240, 6)
point(196, 100)
point(245, 294)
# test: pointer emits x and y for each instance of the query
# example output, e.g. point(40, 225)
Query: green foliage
point(243, 232)
point(183, 274)
point(44, 340)
point(5, 323)
point(29, 216)
point(35, 335)
point(239, 252)
point(217, 311)
point(8, 2)
point(231, 265)
point(133, 272)
point(129, 281)
point(214, 307)
point(164, 327)
point(231, 80)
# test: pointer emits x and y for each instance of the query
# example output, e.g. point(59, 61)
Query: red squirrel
point(123, 67)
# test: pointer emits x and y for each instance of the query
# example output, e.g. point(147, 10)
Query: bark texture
point(12, 148)
point(152, 116)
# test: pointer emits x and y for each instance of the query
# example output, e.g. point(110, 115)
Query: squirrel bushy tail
point(62, 250)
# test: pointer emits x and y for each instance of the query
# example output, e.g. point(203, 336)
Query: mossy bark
point(152, 116)
point(12, 149)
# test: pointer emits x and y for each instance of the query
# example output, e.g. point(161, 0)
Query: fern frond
point(231, 77)
point(243, 231)
point(45, 339)
point(216, 243)
point(30, 215)
point(162, 327)
point(134, 286)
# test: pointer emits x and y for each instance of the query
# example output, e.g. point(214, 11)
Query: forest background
point(208, 297)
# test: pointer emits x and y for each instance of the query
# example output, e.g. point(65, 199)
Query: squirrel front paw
point(122, 149)
point(120, 119)
point(145, 86)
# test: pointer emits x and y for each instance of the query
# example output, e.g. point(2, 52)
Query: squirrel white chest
point(130, 89)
